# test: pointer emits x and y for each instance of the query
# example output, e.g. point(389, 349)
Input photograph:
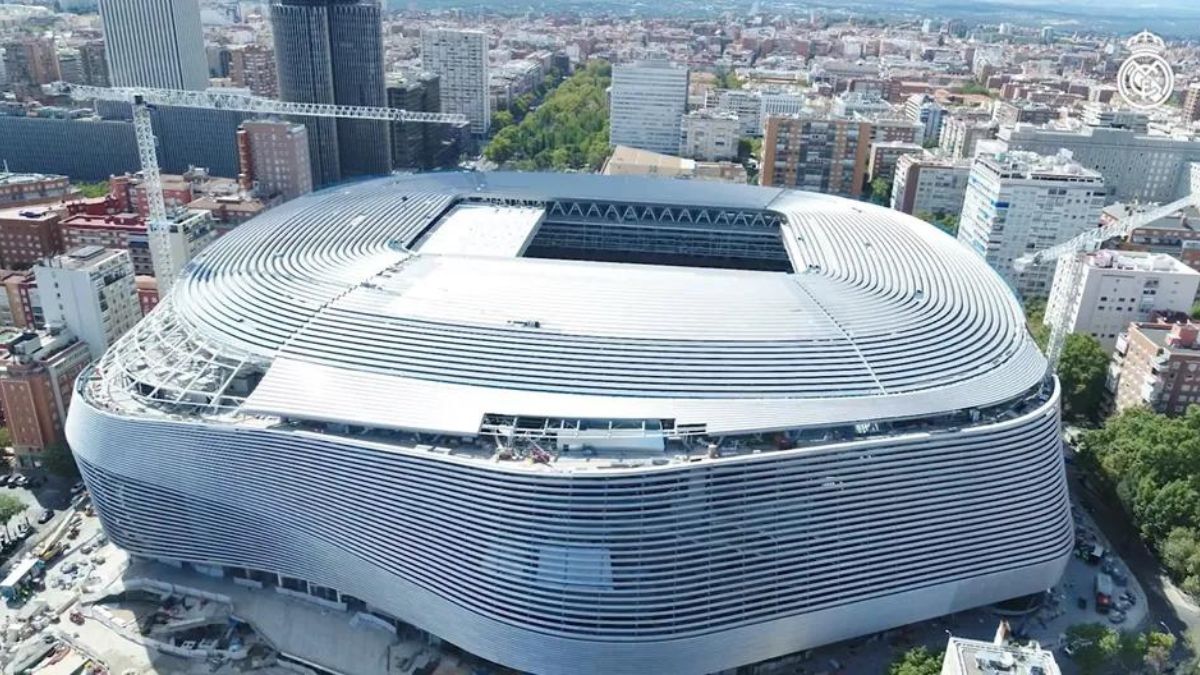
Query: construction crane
point(1070, 255)
point(165, 257)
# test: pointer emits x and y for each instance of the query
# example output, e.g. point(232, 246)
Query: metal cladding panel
point(680, 569)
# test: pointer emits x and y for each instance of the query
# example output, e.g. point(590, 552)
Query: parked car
point(14, 481)
point(45, 516)
point(20, 481)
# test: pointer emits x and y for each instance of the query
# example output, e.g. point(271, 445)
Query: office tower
point(1137, 167)
point(648, 100)
point(94, 63)
point(1152, 367)
point(464, 402)
point(421, 146)
point(273, 158)
point(90, 291)
point(331, 51)
point(1191, 103)
point(253, 67)
point(709, 135)
point(1117, 288)
point(930, 184)
point(37, 379)
point(1017, 202)
point(460, 60)
point(818, 153)
point(31, 62)
point(154, 43)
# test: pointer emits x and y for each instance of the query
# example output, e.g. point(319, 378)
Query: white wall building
point(930, 184)
point(90, 291)
point(171, 248)
point(648, 101)
point(921, 108)
point(1119, 287)
point(960, 135)
point(1137, 167)
point(746, 105)
point(1020, 202)
point(154, 43)
point(460, 60)
point(710, 136)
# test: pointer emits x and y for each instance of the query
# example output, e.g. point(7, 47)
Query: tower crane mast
point(1070, 256)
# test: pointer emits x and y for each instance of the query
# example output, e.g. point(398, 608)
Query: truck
point(1104, 592)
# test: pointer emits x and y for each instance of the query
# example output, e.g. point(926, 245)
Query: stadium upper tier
point(450, 303)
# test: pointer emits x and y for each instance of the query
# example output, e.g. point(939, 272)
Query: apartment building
point(37, 379)
point(1117, 288)
point(1156, 365)
point(817, 153)
point(710, 135)
point(460, 60)
point(90, 290)
point(926, 183)
point(28, 234)
point(273, 158)
point(1019, 202)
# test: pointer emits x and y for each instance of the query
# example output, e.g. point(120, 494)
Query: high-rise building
point(1191, 102)
point(37, 379)
point(1018, 202)
point(31, 62)
point(331, 51)
point(932, 184)
point(90, 291)
point(421, 146)
point(274, 158)
point(154, 43)
point(710, 135)
point(94, 63)
point(881, 164)
point(818, 153)
point(253, 67)
point(923, 109)
point(460, 60)
point(746, 104)
point(190, 231)
point(648, 100)
point(1117, 288)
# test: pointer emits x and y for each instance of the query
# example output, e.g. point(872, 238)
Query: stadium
point(588, 424)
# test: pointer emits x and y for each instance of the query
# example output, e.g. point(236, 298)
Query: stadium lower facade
point(584, 424)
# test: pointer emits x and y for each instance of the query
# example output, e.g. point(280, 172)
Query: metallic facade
point(865, 441)
point(154, 43)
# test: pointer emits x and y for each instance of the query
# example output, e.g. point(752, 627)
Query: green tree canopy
point(10, 506)
point(1082, 370)
point(93, 190)
point(881, 191)
point(917, 661)
point(567, 132)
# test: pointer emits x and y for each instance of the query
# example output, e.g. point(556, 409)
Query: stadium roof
point(882, 316)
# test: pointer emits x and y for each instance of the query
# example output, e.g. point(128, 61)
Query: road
point(1166, 603)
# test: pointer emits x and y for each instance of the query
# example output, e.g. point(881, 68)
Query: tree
point(881, 191)
point(9, 507)
point(1156, 650)
point(501, 119)
point(1082, 369)
point(59, 461)
point(1094, 646)
point(1195, 313)
point(93, 190)
point(917, 661)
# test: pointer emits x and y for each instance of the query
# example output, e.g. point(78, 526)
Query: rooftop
point(1139, 261)
point(10, 178)
point(1022, 164)
point(975, 657)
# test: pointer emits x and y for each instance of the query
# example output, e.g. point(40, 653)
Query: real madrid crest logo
point(1145, 80)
